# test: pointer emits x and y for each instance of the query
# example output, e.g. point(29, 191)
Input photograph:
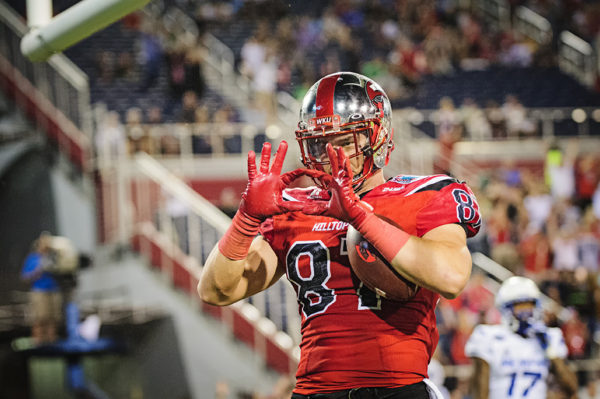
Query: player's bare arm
point(480, 379)
point(242, 264)
point(439, 261)
point(225, 281)
point(565, 376)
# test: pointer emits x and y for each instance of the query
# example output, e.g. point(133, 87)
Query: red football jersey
point(351, 337)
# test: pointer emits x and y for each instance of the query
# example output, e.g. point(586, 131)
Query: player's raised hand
point(262, 197)
point(343, 204)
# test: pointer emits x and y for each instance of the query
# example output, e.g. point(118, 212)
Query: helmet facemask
point(354, 138)
point(514, 293)
point(523, 319)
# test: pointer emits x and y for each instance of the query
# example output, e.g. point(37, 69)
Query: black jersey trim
point(438, 185)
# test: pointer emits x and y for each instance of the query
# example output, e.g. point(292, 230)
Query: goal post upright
point(48, 36)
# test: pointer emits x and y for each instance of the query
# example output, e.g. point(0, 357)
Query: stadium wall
point(207, 348)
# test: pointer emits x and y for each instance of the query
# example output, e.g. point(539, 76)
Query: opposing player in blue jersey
point(514, 359)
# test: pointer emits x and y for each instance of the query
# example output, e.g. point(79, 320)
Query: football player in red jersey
point(354, 342)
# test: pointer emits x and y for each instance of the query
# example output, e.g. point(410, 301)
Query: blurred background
point(131, 148)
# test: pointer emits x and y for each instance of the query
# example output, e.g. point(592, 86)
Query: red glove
point(262, 199)
point(345, 205)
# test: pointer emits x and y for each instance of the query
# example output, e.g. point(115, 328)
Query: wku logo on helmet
point(325, 121)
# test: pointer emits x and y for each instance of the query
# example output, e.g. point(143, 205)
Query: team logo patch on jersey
point(405, 179)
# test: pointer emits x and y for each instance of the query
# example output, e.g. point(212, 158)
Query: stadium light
point(578, 115)
point(73, 25)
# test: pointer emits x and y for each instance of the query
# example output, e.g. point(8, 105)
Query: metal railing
point(576, 57)
point(220, 63)
point(141, 192)
point(496, 13)
point(532, 25)
point(59, 80)
point(55, 94)
point(544, 119)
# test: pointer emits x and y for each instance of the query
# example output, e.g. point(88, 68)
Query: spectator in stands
point(563, 241)
point(538, 204)
point(185, 71)
point(189, 104)
point(125, 68)
point(110, 139)
point(45, 306)
point(254, 51)
point(285, 39)
point(178, 213)
point(151, 54)
point(588, 242)
point(460, 336)
point(167, 142)
point(535, 251)
point(409, 61)
point(562, 173)
point(378, 69)
point(154, 115)
point(200, 134)
point(264, 84)
point(476, 124)
point(307, 74)
point(105, 63)
point(576, 335)
point(587, 177)
point(228, 134)
point(224, 114)
point(495, 117)
point(449, 131)
point(514, 52)
point(502, 235)
point(438, 49)
point(596, 202)
point(515, 115)
point(553, 158)
point(138, 137)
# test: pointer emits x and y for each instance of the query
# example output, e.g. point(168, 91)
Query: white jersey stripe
point(288, 197)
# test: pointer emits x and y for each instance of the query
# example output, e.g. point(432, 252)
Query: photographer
point(45, 301)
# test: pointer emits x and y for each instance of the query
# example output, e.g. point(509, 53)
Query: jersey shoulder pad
point(483, 341)
point(417, 184)
point(452, 202)
point(405, 185)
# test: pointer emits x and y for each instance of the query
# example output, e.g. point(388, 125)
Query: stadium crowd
point(545, 226)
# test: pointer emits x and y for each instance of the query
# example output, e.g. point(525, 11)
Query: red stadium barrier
point(171, 261)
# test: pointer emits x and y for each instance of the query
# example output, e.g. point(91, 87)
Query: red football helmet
point(352, 111)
